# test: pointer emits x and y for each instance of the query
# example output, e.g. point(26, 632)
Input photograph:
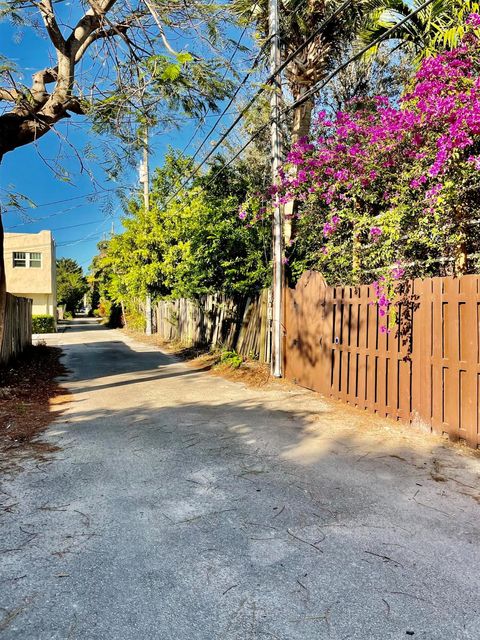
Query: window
point(19, 259)
point(35, 260)
point(30, 259)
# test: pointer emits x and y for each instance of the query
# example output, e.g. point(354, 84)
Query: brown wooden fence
point(426, 369)
point(217, 321)
point(18, 327)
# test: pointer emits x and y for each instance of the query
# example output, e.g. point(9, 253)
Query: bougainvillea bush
point(392, 190)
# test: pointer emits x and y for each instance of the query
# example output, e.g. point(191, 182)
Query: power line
point(75, 226)
point(66, 243)
point(237, 46)
point(321, 84)
point(37, 220)
point(86, 195)
point(230, 102)
point(317, 87)
point(259, 93)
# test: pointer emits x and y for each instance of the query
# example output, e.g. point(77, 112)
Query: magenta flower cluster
point(362, 161)
point(366, 148)
point(474, 20)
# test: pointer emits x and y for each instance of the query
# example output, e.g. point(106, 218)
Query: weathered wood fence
point(425, 369)
point(18, 327)
point(218, 321)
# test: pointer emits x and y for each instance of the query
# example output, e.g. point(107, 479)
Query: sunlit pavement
point(182, 506)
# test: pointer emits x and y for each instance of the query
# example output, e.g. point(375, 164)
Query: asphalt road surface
point(182, 506)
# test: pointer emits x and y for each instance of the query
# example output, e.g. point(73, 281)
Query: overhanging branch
point(48, 15)
point(9, 95)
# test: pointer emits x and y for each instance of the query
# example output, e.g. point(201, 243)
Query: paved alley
point(182, 506)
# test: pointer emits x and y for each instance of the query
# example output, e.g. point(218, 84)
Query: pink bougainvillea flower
point(416, 183)
point(474, 20)
point(397, 272)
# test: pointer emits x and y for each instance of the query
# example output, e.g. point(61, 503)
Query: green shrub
point(135, 320)
point(43, 324)
point(231, 358)
point(68, 315)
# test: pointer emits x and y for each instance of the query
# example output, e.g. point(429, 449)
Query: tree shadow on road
point(271, 515)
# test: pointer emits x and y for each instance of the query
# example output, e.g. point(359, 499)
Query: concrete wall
point(37, 283)
point(41, 303)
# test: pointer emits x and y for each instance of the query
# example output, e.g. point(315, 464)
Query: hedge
point(43, 324)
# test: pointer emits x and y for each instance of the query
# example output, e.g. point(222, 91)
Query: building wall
point(42, 303)
point(37, 283)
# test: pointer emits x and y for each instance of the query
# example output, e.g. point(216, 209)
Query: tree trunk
point(461, 256)
point(3, 283)
point(302, 119)
point(356, 247)
point(18, 130)
point(460, 262)
point(356, 258)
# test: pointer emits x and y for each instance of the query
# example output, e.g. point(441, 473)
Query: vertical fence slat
point(468, 360)
point(362, 347)
point(427, 369)
point(381, 367)
point(17, 335)
point(217, 321)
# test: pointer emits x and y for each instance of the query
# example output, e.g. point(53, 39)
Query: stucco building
point(30, 269)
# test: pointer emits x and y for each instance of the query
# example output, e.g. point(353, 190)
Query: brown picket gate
point(425, 369)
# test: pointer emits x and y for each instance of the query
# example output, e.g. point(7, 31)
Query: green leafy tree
point(71, 283)
point(439, 26)
point(189, 245)
point(131, 76)
point(206, 247)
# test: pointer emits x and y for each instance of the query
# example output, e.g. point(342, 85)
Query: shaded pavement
point(182, 506)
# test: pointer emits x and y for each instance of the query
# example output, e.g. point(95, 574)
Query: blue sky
point(77, 222)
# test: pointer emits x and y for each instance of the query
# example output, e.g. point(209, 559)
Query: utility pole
point(145, 180)
point(277, 234)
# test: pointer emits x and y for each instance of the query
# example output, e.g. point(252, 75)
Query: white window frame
point(35, 259)
point(16, 258)
point(29, 257)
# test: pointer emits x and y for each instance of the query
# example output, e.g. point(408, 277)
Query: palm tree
point(439, 26)
point(298, 21)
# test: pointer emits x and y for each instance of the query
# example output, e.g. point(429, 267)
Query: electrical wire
point(230, 102)
point(259, 93)
point(86, 195)
point(37, 220)
point(317, 87)
point(321, 84)
point(237, 46)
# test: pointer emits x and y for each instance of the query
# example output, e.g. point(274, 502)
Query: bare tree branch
point(48, 15)
point(9, 95)
point(154, 14)
point(117, 29)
